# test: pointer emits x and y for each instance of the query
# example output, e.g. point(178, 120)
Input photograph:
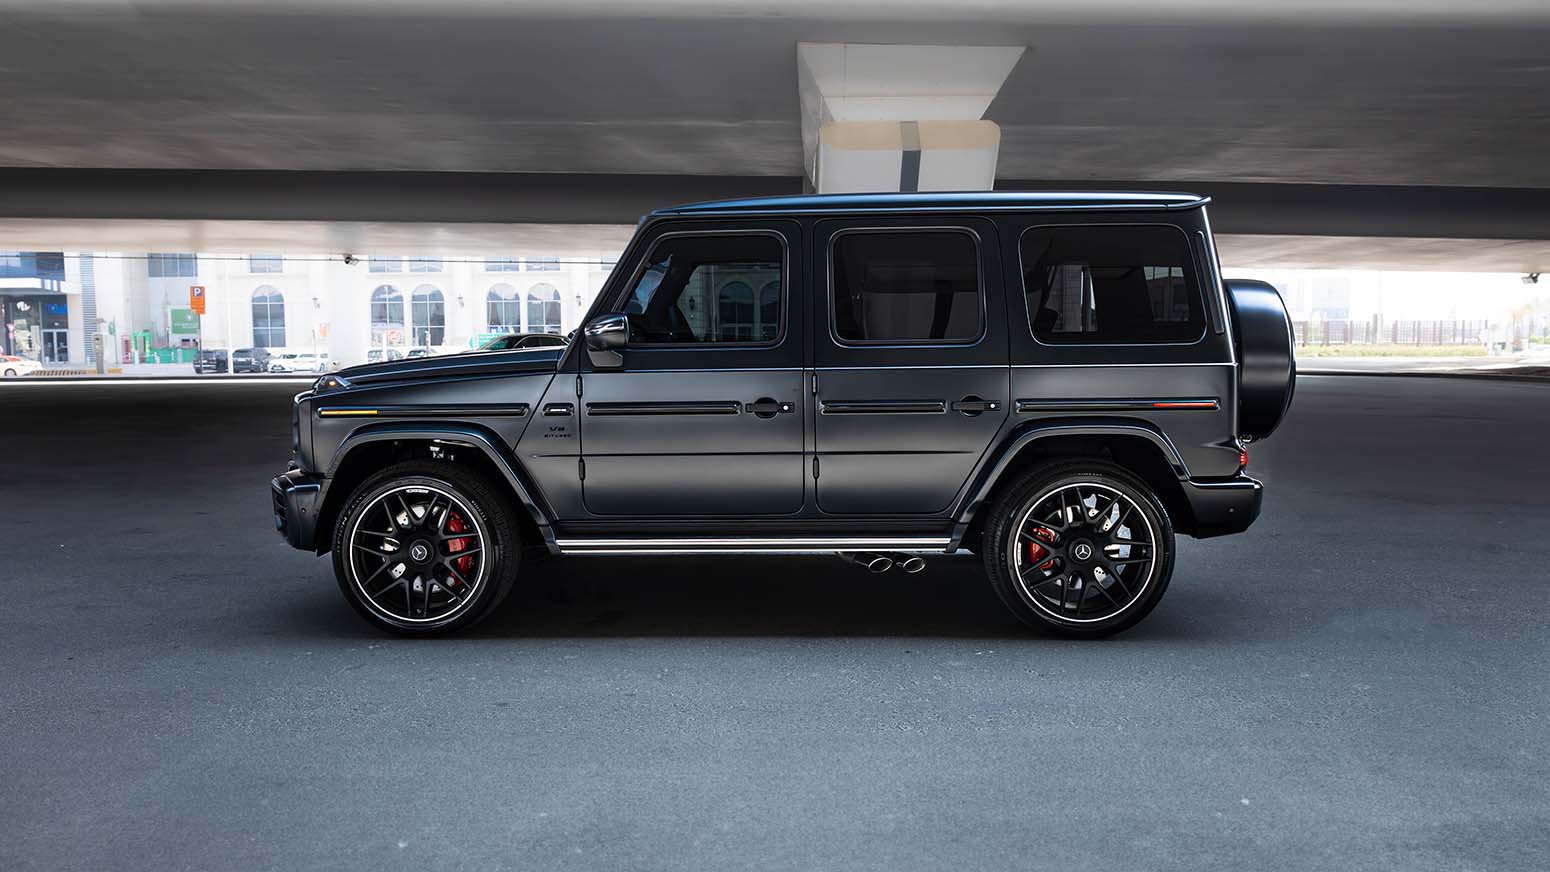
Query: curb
point(1497, 375)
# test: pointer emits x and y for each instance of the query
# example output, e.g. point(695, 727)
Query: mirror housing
point(606, 337)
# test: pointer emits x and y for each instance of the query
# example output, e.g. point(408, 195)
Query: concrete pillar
point(900, 117)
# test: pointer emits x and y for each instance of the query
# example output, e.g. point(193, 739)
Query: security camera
point(351, 260)
point(1531, 279)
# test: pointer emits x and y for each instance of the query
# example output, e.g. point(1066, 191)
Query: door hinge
point(815, 467)
point(578, 385)
point(581, 469)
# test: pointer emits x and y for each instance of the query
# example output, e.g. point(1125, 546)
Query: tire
point(10, 373)
point(420, 506)
point(1115, 581)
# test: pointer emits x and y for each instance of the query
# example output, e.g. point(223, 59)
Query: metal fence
point(1390, 332)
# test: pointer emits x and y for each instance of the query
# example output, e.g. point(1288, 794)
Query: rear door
point(909, 360)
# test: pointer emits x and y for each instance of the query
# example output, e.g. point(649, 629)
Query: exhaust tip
point(912, 565)
point(872, 561)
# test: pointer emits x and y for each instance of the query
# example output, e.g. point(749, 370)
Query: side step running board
point(752, 545)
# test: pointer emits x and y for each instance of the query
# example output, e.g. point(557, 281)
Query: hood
point(480, 364)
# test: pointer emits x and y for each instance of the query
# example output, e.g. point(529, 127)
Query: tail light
point(1243, 459)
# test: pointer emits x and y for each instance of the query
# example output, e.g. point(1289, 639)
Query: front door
point(705, 415)
point(910, 361)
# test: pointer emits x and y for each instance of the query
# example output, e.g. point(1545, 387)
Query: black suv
point(210, 360)
point(250, 360)
point(1057, 383)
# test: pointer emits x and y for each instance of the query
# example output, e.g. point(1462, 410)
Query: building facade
point(141, 304)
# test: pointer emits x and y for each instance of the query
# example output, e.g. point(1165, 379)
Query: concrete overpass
point(1360, 133)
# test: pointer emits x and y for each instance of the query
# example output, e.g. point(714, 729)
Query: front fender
point(460, 434)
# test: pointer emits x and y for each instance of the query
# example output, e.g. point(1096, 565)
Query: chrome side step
point(752, 545)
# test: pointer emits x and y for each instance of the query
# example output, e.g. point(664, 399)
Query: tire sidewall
point(493, 515)
point(1033, 487)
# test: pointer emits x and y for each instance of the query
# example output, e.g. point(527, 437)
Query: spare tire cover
point(1267, 361)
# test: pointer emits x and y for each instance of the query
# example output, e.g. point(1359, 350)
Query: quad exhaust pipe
point(875, 561)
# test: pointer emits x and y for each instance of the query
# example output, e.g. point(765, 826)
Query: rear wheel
point(426, 548)
point(1079, 548)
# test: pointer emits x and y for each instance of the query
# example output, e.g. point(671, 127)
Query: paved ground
point(1357, 683)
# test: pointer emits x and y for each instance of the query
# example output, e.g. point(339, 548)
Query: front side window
point(1110, 284)
point(906, 286)
point(700, 289)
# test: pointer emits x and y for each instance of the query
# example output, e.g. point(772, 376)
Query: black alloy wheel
point(426, 548)
point(1080, 548)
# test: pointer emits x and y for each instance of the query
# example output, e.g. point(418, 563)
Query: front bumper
point(296, 498)
point(1225, 506)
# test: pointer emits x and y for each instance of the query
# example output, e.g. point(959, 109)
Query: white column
point(900, 117)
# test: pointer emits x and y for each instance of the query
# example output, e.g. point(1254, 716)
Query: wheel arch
point(1132, 444)
point(377, 446)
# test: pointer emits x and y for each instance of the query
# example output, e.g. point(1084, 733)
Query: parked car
point(1057, 383)
point(295, 362)
point(11, 365)
point(522, 340)
point(378, 355)
point(422, 351)
point(250, 360)
point(210, 360)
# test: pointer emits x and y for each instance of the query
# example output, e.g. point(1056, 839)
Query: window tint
point(701, 289)
point(1110, 284)
point(906, 286)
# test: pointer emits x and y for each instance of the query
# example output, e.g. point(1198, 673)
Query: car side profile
point(521, 340)
point(1056, 383)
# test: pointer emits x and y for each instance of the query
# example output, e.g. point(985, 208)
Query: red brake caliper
point(1037, 552)
point(455, 524)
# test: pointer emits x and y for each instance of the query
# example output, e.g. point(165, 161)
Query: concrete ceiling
point(1395, 92)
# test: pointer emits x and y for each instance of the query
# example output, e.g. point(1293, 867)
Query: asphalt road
point(1359, 682)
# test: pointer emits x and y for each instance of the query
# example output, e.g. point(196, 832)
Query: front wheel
point(1079, 549)
point(426, 548)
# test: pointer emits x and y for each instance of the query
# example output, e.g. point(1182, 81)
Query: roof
point(1006, 201)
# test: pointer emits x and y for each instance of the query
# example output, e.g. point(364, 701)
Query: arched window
point(734, 312)
point(543, 309)
point(387, 316)
point(769, 311)
point(428, 316)
point(503, 309)
point(268, 318)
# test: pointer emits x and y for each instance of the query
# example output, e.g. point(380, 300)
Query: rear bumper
point(1225, 506)
point(296, 498)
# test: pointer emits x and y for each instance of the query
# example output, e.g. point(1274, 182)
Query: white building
point(141, 303)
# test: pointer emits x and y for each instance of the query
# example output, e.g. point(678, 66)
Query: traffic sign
point(196, 298)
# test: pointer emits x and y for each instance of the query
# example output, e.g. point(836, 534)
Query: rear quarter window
point(1123, 284)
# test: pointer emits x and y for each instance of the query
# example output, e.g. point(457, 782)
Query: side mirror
point(606, 336)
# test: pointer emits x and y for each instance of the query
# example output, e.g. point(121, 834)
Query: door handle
point(972, 406)
point(766, 407)
point(559, 410)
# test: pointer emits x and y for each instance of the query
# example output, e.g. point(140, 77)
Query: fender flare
point(467, 435)
point(990, 472)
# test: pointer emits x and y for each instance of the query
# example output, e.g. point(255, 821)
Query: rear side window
point(1110, 284)
point(906, 286)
